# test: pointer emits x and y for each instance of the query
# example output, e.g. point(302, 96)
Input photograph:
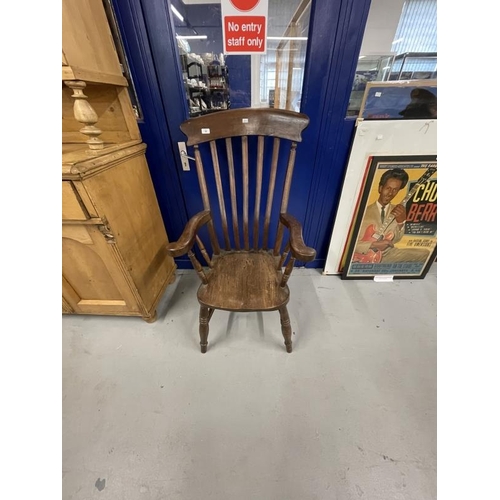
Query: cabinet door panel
point(93, 281)
point(72, 207)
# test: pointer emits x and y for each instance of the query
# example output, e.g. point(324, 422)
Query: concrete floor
point(350, 414)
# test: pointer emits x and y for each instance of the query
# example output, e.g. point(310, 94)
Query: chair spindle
point(198, 267)
point(258, 189)
point(220, 193)
point(203, 251)
point(232, 187)
point(270, 192)
point(288, 271)
point(204, 196)
point(244, 147)
point(284, 255)
point(286, 194)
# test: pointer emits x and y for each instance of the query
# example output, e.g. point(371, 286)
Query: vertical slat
point(232, 186)
point(270, 192)
point(258, 189)
point(244, 147)
point(220, 193)
point(286, 194)
point(204, 196)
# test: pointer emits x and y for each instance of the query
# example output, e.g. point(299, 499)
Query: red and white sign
point(244, 26)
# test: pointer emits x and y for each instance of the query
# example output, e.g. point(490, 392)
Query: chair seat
point(244, 281)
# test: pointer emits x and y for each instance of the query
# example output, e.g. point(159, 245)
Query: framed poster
point(373, 138)
point(410, 100)
point(395, 232)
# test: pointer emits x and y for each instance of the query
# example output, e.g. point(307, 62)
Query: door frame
point(154, 128)
point(327, 86)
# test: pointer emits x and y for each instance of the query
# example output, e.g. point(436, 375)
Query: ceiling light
point(361, 57)
point(191, 37)
point(287, 37)
point(398, 40)
point(177, 13)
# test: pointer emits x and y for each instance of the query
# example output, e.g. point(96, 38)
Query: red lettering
point(414, 214)
point(430, 212)
point(423, 212)
point(245, 34)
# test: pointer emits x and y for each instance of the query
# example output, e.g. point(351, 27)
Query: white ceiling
point(382, 22)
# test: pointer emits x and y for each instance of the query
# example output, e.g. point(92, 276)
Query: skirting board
point(374, 137)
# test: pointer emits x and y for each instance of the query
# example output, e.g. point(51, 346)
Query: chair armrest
point(297, 246)
point(186, 241)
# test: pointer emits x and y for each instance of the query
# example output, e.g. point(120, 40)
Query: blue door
point(174, 48)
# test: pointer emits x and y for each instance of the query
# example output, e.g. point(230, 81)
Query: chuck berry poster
point(395, 232)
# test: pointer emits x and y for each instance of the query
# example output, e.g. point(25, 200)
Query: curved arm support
point(188, 236)
point(297, 246)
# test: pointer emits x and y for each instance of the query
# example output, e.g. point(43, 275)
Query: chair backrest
point(246, 148)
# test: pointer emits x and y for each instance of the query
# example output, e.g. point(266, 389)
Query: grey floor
point(350, 414)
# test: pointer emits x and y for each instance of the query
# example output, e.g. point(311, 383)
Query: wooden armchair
point(243, 276)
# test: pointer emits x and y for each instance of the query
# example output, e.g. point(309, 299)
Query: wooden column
point(84, 113)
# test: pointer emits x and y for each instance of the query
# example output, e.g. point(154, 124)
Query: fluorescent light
point(386, 67)
point(191, 37)
point(287, 37)
point(361, 57)
point(398, 40)
point(177, 13)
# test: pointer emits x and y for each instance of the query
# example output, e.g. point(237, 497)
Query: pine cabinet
point(114, 258)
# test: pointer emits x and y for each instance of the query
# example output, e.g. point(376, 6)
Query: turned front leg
point(286, 328)
point(204, 319)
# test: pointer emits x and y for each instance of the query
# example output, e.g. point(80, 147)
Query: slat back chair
point(245, 271)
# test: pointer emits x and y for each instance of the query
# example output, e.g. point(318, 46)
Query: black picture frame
point(399, 100)
point(411, 246)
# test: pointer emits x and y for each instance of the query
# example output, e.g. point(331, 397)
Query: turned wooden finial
point(84, 113)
